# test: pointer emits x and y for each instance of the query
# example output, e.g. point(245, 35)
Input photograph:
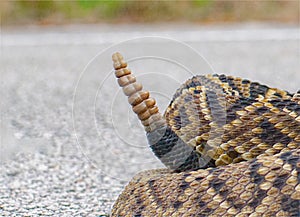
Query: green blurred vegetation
point(97, 11)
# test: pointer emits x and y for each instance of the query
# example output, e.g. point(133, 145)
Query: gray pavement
point(69, 142)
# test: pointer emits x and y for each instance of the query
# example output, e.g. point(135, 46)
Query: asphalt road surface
point(69, 142)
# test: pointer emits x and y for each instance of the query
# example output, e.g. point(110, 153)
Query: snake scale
point(230, 147)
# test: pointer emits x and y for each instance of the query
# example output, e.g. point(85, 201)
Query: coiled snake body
point(230, 146)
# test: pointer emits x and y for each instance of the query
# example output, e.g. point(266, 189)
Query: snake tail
point(164, 142)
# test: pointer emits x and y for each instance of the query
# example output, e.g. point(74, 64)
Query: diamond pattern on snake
point(230, 147)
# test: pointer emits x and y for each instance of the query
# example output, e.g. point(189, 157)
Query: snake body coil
point(231, 147)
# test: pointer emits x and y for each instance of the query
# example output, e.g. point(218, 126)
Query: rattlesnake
point(230, 146)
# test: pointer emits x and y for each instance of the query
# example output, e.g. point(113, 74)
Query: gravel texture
point(69, 142)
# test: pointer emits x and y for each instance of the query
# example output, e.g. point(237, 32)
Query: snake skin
point(231, 149)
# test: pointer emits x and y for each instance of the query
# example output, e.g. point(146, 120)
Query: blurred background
point(69, 140)
point(98, 11)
